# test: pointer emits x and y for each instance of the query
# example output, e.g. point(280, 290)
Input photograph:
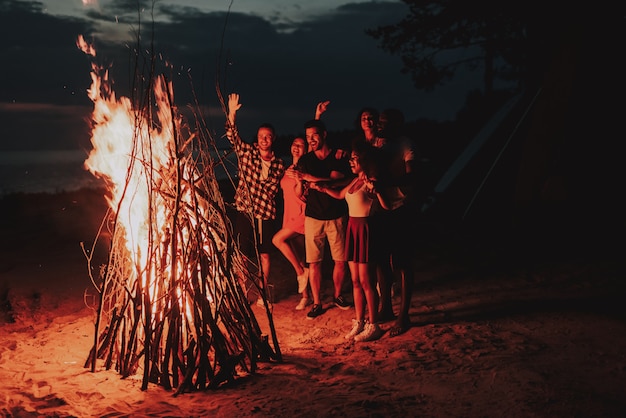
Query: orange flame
point(169, 291)
point(133, 153)
point(120, 155)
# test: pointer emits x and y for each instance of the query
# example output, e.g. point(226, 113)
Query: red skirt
point(358, 240)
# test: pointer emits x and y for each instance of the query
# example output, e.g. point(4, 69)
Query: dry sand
point(495, 333)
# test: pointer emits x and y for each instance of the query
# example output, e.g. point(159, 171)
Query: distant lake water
point(52, 172)
point(44, 172)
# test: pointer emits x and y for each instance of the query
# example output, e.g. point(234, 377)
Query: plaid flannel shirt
point(254, 195)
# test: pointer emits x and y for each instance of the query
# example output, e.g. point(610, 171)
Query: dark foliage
point(508, 41)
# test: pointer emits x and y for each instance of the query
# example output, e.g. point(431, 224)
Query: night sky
point(281, 56)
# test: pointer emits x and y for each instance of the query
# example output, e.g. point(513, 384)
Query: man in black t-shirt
point(325, 217)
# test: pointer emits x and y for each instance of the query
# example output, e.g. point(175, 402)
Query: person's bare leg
point(315, 281)
point(357, 292)
point(384, 276)
point(265, 268)
point(403, 322)
point(366, 284)
point(281, 240)
point(339, 275)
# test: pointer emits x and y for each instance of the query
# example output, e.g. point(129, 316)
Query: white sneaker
point(303, 280)
point(304, 302)
point(370, 332)
point(357, 327)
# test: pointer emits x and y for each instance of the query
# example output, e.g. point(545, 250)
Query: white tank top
point(359, 202)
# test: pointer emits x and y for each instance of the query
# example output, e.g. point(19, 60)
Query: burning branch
point(170, 302)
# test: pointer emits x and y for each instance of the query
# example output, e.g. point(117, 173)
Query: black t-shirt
point(320, 205)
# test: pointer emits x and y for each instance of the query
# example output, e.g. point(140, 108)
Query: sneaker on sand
point(341, 303)
point(304, 302)
point(303, 280)
point(357, 327)
point(315, 311)
point(370, 332)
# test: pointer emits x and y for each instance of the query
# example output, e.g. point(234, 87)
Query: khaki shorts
point(317, 232)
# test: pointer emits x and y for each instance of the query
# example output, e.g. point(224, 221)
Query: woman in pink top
point(290, 238)
point(360, 195)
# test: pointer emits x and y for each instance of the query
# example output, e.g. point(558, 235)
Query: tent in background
point(549, 168)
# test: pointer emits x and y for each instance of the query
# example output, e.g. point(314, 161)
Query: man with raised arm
point(259, 172)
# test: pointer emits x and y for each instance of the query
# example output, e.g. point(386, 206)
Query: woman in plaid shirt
point(259, 172)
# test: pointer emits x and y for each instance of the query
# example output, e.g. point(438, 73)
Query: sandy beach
point(494, 333)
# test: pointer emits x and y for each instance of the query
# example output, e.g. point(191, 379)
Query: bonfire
point(171, 301)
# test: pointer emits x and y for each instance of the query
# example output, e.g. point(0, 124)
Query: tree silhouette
point(508, 41)
point(559, 145)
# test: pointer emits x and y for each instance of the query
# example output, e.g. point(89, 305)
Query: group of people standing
point(357, 201)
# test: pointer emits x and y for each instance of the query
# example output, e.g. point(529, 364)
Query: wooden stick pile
point(174, 308)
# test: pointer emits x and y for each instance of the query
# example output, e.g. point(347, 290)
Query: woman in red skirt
point(360, 195)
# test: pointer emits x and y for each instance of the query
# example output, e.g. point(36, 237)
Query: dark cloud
point(44, 79)
point(281, 72)
point(281, 75)
point(40, 61)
